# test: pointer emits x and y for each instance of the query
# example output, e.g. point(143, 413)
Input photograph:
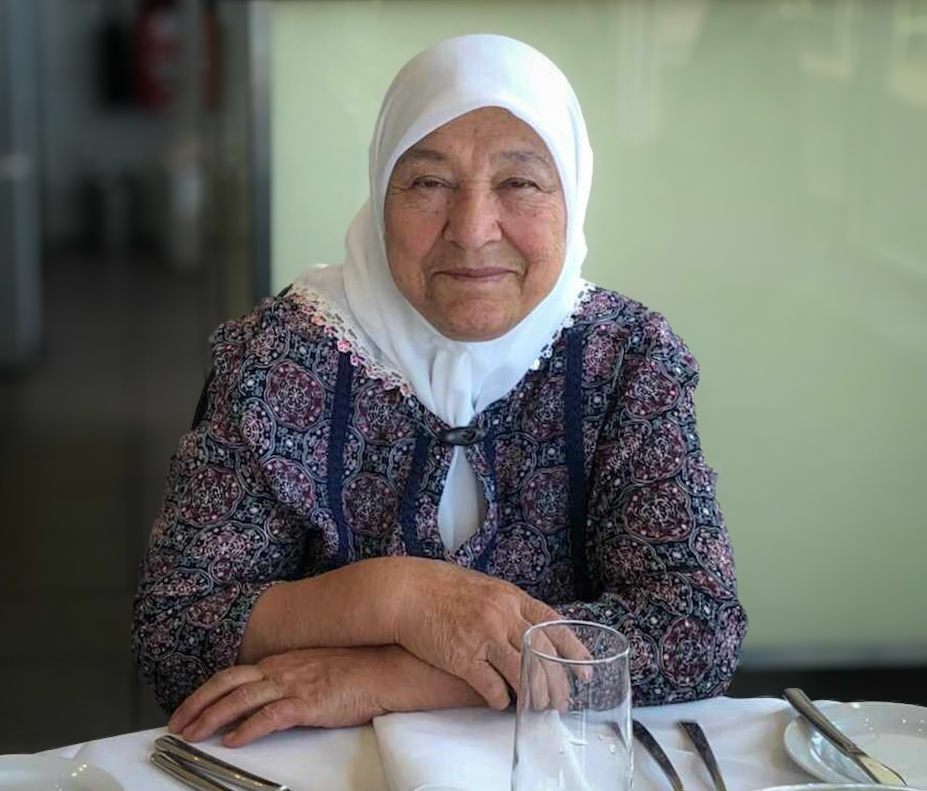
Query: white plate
point(844, 786)
point(48, 773)
point(895, 733)
point(838, 787)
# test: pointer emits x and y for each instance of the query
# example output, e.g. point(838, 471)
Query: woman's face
point(476, 224)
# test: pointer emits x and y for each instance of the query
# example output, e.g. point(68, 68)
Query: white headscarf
point(453, 379)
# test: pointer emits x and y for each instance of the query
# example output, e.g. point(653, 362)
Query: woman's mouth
point(483, 274)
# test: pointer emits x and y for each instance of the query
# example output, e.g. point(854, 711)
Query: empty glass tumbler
point(573, 718)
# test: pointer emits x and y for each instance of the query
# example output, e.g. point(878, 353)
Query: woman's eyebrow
point(418, 154)
point(525, 157)
point(522, 156)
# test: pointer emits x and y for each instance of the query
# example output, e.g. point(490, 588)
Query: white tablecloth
point(746, 736)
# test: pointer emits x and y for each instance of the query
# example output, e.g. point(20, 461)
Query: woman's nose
point(473, 218)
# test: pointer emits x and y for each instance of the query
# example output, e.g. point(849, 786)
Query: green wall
point(761, 179)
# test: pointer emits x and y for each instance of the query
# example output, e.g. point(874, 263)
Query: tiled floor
point(84, 443)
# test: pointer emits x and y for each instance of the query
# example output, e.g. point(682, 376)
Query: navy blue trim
point(341, 411)
point(407, 503)
point(575, 459)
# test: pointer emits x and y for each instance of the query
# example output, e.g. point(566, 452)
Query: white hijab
point(456, 380)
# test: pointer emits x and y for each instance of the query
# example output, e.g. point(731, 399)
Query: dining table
point(470, 749)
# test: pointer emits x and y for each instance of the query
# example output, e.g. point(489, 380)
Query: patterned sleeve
point(657, 548)
point(219, 541)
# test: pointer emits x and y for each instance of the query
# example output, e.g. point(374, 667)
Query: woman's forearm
point(355, 605)
point(412, 684)
point(323, 687)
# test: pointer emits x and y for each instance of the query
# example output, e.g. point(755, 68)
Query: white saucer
point(894, 733)
point(46, 772)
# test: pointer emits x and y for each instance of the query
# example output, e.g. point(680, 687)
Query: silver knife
point(872, 767)
point(223, 770)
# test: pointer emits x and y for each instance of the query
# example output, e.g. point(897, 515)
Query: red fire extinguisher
point(158, 37)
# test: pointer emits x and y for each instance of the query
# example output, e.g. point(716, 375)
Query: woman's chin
point(475, 325)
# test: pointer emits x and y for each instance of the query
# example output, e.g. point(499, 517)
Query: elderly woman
point(403, 462)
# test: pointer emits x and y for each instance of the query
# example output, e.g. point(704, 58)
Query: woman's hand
point(321, 687)
point(471, 625)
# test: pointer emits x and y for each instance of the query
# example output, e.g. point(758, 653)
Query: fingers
point(276, 716)
point(236, 704)
point(548, 682)
point(538, 688)
point(560, 641)
point(489, 685)
point(535, 611)
point(557, 642)
point(506, 660)
point(533, 681)
point(567, 644)
point(215, 688)
point(549, 673)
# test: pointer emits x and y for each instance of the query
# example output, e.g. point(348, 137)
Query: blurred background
point(761, 178)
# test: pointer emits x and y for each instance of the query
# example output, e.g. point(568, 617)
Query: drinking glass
point(573, 716)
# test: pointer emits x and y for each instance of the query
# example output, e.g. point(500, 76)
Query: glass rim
point(623, 641)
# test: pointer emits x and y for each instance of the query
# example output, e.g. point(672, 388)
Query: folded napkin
point(465, 748)
point(472, 750)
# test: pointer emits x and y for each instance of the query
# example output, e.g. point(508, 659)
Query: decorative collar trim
point(349, 338)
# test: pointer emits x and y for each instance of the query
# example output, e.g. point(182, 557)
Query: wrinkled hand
point(471, 625)
point(321, 687)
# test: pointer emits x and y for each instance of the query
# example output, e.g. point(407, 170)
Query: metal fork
point(186, 773)
point(698, 738)
point(189, 757)
point(652, 746)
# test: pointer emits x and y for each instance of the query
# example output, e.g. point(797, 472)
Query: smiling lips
point(481, 275)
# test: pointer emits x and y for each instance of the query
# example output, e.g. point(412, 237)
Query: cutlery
point(873, 768)
point(186, 774)
point(653, 747)
point(190, 755)
point(698, 738)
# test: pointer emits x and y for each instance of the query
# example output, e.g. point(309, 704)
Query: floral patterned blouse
point(305, 457)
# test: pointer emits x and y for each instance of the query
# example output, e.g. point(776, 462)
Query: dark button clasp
point(463, 435)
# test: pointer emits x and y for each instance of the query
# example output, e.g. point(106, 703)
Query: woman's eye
point(519, 184)
point(427, 182)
